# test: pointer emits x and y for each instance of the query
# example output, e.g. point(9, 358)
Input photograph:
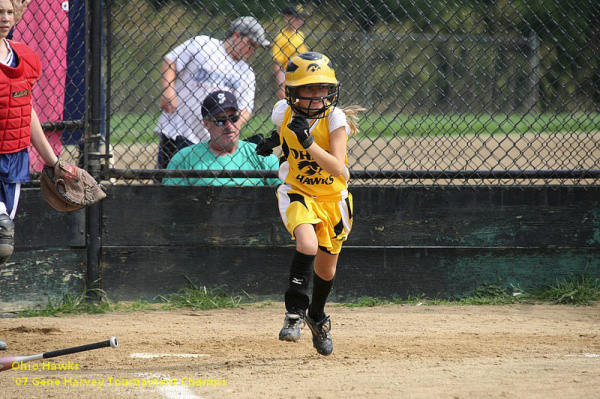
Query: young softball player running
point(314, 201)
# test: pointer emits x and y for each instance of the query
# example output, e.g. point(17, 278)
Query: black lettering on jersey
point(304, 155)
point(300, 154)
point(21, 93)
point(314, 180)
point(309, 168)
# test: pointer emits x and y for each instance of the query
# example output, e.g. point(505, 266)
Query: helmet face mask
point(311, 70)
point(314, 107)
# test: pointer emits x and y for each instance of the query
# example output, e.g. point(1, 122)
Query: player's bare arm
point(39, 141)
point(168, 99)
point(332, 163)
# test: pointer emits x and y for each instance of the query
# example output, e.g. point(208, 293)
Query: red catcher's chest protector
point(15, 98)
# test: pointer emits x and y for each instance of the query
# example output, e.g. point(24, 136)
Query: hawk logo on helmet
point(313, 67)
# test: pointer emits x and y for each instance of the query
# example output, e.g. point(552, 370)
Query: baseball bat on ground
point(6, 363)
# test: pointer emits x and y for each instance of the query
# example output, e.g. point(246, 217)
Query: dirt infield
point(519, 351)
point(483, 152)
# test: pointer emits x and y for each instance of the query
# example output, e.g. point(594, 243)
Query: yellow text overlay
point(99, 383)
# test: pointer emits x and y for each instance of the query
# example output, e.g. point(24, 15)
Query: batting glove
point(299, 125)
point(265, 147)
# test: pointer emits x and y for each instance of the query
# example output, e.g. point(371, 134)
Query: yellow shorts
point(332, 220)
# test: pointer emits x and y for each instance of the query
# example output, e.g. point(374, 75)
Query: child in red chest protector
point(19, 125)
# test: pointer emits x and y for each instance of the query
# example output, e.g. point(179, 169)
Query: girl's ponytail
point(352, 112)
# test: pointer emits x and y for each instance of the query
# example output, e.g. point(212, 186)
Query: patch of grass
point(94, 301)
point(133, 129)
point(139, 128)
point(137, 306)
point(578, 290)
point(419, 300)
point(485, 294)
point(490, 294)
point(432, 125)
point(411, 300)
point(366, 302)
point(263, 304)
point(201, 298)
point(73, 304)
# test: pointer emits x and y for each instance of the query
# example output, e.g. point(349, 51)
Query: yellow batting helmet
point(311, 69)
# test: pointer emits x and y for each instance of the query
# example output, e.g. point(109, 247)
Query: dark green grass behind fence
point(133, 128)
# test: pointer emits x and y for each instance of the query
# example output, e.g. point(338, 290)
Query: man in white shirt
point(198, 67)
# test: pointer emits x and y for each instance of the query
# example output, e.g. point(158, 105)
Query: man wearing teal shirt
point(224, 151)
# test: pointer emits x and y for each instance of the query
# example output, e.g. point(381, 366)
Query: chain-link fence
point(456, 92)
point(56, 31)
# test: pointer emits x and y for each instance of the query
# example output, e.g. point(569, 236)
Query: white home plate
point(157, 355)
point(170, 391)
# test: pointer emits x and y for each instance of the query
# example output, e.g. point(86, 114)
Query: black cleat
point(292, 326)
point(7, 238)
point(321, 335)
point(3, 346)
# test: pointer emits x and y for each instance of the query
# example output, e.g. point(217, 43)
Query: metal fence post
point(92, 140)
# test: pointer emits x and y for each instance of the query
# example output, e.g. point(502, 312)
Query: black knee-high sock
point(296, 296)
point(321, 290)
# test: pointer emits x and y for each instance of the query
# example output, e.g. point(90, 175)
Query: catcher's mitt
point(68, 188)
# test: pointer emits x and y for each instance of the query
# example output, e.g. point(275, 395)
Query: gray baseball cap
point(250, 27)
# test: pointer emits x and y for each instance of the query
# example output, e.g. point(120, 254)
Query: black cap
point(217, 102)
point(295, 11)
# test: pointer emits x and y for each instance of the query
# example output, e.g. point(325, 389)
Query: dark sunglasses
point(222, 121)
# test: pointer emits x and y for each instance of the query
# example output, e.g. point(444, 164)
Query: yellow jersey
point(287, 44)
point(300, 171)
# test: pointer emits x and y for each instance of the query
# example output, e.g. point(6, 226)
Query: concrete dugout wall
point(441, 242)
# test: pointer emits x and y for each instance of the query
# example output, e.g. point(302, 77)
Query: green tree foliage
point(550, 48)
point(241, 7)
